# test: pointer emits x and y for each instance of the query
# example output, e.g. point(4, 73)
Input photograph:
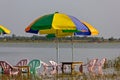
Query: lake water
point(13, 52)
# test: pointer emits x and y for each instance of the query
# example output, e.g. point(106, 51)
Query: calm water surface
point(13, 52)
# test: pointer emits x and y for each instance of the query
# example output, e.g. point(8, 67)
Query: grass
point(84, 76)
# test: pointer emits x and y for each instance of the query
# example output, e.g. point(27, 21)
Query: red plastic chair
point(8, 68)
point(21, 64)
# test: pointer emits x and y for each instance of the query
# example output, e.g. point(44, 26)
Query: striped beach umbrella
point(55, 23)
point(4, 30)
point(58, 24)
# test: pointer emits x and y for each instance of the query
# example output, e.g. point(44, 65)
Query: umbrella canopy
point(4, 30)
point(55, 23)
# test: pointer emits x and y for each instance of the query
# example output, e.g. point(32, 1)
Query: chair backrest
point(34, 65)
point(101, 62)
point(22, 62)
point(44, 64)
point(53, 63)
point(6, 66)
point(92, 62)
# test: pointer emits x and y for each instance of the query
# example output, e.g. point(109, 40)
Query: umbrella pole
point(57, 49)
point(72, 47)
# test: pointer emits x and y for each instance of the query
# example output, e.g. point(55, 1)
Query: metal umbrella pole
point(72, 47)
point(57, 49)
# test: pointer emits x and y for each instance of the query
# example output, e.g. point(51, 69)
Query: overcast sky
point(104, 15)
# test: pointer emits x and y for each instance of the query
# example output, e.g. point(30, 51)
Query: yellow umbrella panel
point(4, 30)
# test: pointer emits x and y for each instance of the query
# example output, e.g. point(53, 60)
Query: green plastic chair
point(34, 65)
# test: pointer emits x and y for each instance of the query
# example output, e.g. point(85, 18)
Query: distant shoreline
point(64, 41)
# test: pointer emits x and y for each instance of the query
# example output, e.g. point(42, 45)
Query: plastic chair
point(45, 66)
point(55, 67)
point(8, 68)
point(34, 65)
point(22, 62)
point(100, 64)
point(91, 65)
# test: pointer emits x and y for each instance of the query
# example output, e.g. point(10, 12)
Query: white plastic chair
point(100, 65)
point(91, 65)
point(45, 66)
point(55, 66)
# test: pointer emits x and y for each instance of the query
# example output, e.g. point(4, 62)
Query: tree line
point(37, 38)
